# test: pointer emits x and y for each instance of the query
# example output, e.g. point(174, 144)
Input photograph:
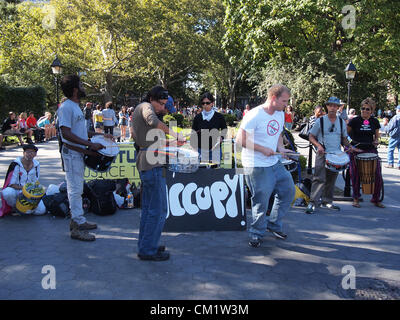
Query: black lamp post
point(350, 72)
point(56, 68)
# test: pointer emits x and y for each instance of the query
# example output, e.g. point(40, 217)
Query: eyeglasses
point(332, 129)
point(207, 103)
point(366, 109)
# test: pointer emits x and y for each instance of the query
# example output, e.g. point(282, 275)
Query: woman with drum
point(203, 125)
point(365, 166)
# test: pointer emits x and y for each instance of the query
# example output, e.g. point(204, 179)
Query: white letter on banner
point(174, 203)
point(187, 199)
point(204, 203)
point(231, 204)
point(219, 192)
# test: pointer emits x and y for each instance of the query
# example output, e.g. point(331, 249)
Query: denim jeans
point(74, 171)
point(393, 144)
point(154, 210)
point(262, 181)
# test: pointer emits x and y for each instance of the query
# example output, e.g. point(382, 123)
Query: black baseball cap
point(29, 146)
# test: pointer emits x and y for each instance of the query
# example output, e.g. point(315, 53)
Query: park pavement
point(318, 260)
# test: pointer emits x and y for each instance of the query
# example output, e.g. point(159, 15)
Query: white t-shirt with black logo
point(263, 129)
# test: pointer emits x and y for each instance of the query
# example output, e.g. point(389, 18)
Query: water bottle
point(130, 200)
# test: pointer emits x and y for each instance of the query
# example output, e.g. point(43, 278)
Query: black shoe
point(161, 249)
point(159, 256)
point(254, 241)
point(278, 234)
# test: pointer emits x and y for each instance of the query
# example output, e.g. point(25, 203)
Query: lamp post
point(350, 72)
point(56, 68)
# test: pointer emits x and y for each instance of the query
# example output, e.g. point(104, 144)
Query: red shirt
point(31, 122)
point(288, 117)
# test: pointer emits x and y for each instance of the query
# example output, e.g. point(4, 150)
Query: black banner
point(207, 200)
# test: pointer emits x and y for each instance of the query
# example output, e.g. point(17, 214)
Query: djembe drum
point(367, 164)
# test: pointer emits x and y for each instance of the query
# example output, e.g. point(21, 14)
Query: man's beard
point(81, 94)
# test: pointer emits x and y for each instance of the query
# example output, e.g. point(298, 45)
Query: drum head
point(111, 148)
point(367, 156)
point(338, 158)
point(286, 161)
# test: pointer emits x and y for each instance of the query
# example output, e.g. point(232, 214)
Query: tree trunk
point(108, 94)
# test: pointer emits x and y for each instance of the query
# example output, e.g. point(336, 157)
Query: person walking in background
point(109, 118)
point(246, 109)
point(123, 122)
point(87, 112)
point(289, 116)
point(394, 140)
point(98, 119)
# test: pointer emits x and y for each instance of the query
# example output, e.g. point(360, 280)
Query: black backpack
point(101, 197)
point(57, 204)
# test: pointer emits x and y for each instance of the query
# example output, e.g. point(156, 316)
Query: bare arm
point(67, 134)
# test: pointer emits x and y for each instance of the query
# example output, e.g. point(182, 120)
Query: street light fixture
point(350, 73)
point(56, 68)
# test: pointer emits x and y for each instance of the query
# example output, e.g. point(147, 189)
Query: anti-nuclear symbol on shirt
point(273, 128)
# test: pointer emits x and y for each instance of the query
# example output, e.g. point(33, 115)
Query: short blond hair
point(277, 90)
point(369, 102)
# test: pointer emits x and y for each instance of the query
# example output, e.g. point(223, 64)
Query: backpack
point(101, 197)
point(57, 204)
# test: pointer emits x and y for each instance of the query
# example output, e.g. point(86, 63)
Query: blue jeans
point(154, 210)
point(393, 144)
point(262, 181)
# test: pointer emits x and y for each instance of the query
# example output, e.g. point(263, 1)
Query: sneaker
point(254, 241)
point(310, 208)
point(159, 256)
point(330, 206)
point(82, 235)
point(389, 166)
point(83, 226)
point(278, 234)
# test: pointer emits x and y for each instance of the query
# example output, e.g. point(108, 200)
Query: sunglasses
point(366, 109)
point(207, 103)
point(332, 129)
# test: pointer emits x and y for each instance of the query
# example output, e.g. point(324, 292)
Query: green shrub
point(22, 99)
point(229, 119)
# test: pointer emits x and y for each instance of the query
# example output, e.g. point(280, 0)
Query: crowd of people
point(41, 130)
point(260, 136)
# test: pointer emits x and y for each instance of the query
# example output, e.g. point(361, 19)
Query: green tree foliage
point(312, 39)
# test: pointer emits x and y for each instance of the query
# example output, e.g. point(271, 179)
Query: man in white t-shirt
point(260, 137)
point(74, 136)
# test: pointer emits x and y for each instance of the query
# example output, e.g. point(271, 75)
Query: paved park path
point(322, 252)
